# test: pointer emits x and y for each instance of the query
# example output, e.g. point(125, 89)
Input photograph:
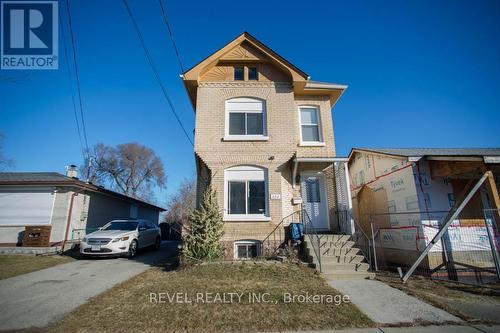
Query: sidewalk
point(418, 329)
point(390, 306)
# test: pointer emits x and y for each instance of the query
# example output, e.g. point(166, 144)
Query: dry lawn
point(13, 265)
point(127, 307)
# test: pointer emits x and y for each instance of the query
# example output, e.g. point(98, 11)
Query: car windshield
point(121, 226)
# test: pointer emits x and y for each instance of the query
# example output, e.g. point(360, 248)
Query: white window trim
point(319, 143)
point(245, 242)
point(245, 137)
point(245, 173)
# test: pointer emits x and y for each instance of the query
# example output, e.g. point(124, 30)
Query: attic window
point(253, 74)
point(239, 74)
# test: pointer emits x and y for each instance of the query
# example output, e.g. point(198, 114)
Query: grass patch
point(458, 299)
point(13, 265)
point(127, 306)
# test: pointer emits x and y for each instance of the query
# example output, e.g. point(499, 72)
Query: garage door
point(26, 207)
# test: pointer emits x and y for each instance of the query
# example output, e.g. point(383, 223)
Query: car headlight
point(124, 238)
point(84, 239)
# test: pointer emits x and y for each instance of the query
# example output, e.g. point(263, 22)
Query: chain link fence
point(468, 252)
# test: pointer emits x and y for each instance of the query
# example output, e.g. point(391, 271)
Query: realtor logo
point(29, 35)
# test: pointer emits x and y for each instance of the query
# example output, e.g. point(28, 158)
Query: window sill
point(246, 218)
point(245, 138)
point(312, 144)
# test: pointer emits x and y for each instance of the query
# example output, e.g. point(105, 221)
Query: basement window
point(245, 250)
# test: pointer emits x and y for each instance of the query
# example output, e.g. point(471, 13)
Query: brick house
point(264, 139)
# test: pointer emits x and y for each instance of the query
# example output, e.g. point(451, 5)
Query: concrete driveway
point(39, 298)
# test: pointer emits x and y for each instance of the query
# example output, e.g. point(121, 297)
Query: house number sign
point(275, 196)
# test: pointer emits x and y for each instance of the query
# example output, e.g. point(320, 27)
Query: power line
point(155, 71)
point(77, 77)
point(171, 34)
point(71, 86)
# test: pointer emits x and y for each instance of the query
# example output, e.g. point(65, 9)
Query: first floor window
point(247, 197)
point(246, 250)
point(245, 191)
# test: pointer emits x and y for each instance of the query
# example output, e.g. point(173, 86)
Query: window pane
point(252, 73)
point(256, 198)
point(237, 198)
point(238, 74)
point(308, 116)
point(252, 251)
point(312, 190)
point(310, 133)
point(236, 123)
point(242, 252)
point(254, 123)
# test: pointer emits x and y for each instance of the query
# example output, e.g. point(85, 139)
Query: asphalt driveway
point(38, 298)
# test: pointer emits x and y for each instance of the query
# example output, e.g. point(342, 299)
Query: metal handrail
point(273, 233)
point(358, 231)
point(313, 236)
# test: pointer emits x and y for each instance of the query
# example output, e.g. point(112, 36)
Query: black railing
point(311, 233)
point(278, 237)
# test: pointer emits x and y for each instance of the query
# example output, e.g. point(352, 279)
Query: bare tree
point(129, 168)
point(182, 203)
point(4, 161)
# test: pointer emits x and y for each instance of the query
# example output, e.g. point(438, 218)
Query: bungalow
point(62, 205)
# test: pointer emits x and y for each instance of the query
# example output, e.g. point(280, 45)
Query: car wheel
point(132, 249)
point(157, 243)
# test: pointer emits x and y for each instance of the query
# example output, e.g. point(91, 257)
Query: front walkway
point(38, 298)
point(387, 305)
point(417, 329)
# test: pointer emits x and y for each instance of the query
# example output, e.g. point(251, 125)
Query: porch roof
point(298, 160)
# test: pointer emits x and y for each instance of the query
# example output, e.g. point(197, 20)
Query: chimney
point(72, 171)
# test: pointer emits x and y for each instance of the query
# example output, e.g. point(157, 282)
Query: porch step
point(340, 258)
point(343, 259)
point(332, 245)
point(334, 238)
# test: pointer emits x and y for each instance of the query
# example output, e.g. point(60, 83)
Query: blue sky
point(420, 74)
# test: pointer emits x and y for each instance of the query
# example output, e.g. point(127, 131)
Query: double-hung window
point(245, 193)
point(309, 125)
point(245, 119)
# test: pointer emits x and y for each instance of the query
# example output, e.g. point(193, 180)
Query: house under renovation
point(402, 196)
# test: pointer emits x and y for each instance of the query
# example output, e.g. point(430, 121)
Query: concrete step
point(346, 275)
point(327, 267)
point(343, 259)
point(332, 245)
point(335, 238)
point(340, 251)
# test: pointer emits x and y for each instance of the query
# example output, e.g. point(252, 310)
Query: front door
point(314, 199)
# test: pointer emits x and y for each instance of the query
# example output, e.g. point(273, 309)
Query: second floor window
point(309, 124)
point(245, 117)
